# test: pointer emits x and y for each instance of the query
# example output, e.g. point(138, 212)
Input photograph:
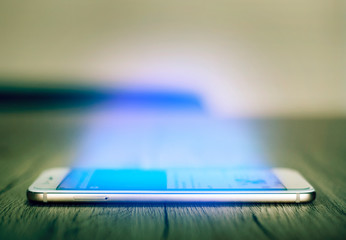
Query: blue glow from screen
point(150, 132)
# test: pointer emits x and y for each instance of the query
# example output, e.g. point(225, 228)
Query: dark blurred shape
point(43, 98)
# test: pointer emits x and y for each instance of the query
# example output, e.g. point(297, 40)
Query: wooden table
point(34, 141)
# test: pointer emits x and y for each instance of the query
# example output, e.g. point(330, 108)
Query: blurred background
point(141, 68)
point(244, 58)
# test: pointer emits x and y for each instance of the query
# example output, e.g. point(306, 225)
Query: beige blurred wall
point(248, 58)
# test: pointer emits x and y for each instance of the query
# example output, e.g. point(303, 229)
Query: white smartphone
point(278, 185)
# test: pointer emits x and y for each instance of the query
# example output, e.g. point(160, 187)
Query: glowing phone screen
point(170, 180)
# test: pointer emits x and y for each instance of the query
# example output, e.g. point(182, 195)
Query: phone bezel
point(290, 178)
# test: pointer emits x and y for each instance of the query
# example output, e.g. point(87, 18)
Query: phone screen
point(170, 180)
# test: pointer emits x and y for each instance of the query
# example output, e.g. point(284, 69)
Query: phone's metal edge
point(176, 197)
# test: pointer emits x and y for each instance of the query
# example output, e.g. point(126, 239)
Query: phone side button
point(298, 198)
point(88, 198)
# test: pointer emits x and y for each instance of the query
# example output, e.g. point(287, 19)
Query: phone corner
point(34, 196)
point(308, 197)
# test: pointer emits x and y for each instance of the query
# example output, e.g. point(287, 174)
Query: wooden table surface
point(31, 142)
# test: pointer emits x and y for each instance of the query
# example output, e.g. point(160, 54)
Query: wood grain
point(32, 142)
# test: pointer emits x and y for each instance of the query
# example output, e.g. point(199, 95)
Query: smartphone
point(278, 185)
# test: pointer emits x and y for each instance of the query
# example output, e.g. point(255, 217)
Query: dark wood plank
point(32, 142)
